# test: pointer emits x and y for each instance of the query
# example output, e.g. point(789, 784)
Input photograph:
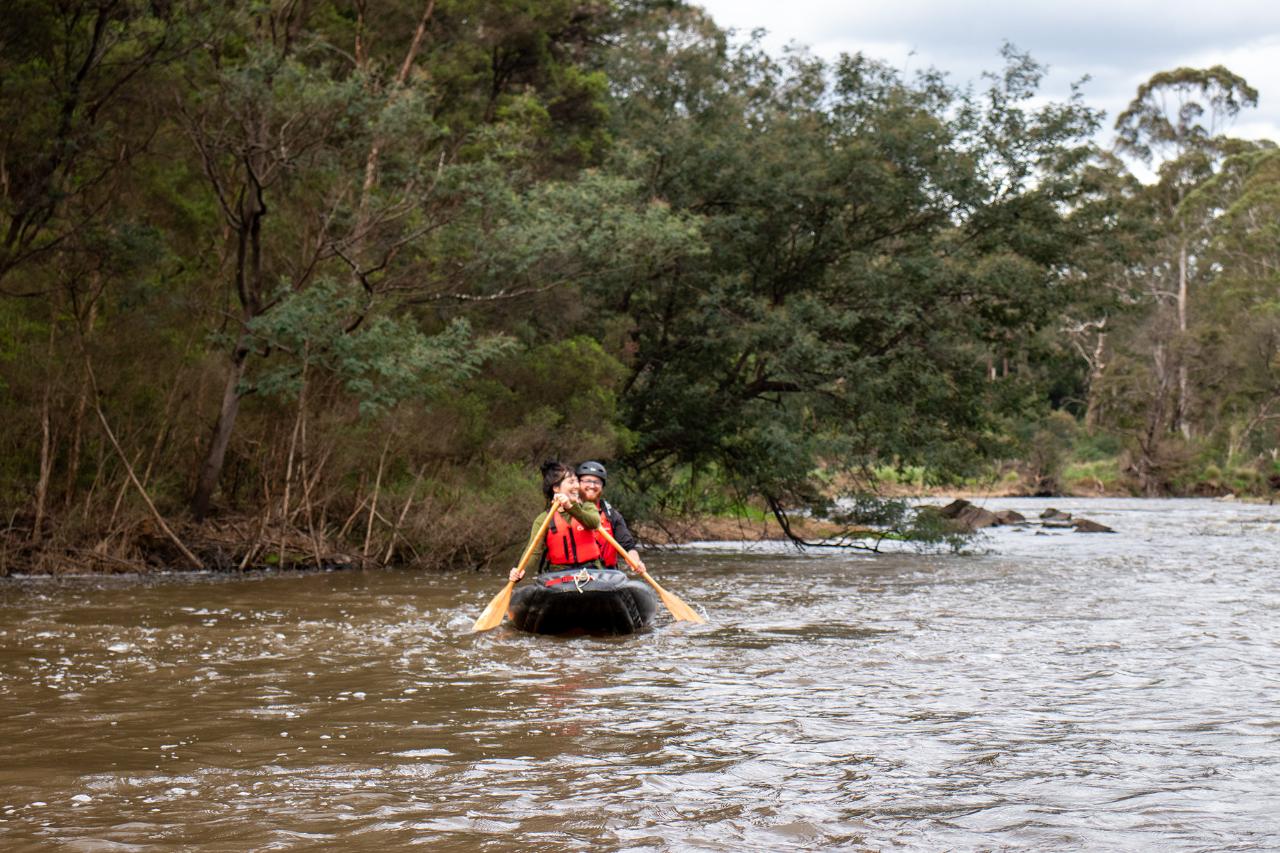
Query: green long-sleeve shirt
point(583, 511)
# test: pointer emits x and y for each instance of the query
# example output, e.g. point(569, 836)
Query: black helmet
point(592, 469)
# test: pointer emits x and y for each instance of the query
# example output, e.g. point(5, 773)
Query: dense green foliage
point(349, 270)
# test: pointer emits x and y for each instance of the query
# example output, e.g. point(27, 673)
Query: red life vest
point(608, 554)
point(569, 543)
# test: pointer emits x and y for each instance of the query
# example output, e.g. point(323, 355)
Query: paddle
point(492, 615)
point(681, 611)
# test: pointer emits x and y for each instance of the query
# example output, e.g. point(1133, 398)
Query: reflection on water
point(1057, 691)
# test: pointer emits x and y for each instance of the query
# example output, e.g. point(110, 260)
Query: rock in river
point(967, 516)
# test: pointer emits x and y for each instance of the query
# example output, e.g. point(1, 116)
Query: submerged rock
point(1009, 516)
point(967, 516)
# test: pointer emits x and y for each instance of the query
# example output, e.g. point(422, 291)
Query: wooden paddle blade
point(492, 615)
point(497, 609)
point(681, 611)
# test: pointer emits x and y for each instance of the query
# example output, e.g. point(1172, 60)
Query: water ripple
point(1052, 692)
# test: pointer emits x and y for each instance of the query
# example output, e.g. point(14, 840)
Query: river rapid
point(1057, 690)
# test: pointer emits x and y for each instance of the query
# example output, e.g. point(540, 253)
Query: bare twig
point(293, 446)
point(373, 507)
point(395, 530)
point(111, 436)
point(346, 527)
point(124, 487)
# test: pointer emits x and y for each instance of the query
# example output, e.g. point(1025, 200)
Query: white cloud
point(1118, 45)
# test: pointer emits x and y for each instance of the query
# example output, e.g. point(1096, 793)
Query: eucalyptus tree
point(1238, 336)
point(72, 114)
point(870, 241)
point(78, 113)
point(380, 170)
point(1107, 281)
point(1176, 123)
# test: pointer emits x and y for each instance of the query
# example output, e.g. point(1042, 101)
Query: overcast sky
point(1118, 43)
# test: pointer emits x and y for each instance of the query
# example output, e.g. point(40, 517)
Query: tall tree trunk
point(46, 443)
point(211, 471)
point(77, 441)
point(1148, 464)
point(373, 507)
point(1093, 408)
point(252, 209)
point(82, 403)
point(1182, 413)
point(46, 468)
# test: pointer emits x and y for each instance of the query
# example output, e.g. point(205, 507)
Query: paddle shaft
point(492, 615)
point(678, 608)
point(626, 555)
point(537, 537)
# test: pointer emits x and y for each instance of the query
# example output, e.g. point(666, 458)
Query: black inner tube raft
point(587, 601)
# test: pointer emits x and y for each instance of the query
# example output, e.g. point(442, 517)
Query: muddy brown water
point(1059, 691)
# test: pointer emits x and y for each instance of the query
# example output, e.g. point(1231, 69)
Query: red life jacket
point(569, 543)
point(608, 554)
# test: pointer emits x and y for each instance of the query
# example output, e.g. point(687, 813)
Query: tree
point(76, 112)
point(440, 214)
point(1105, 280)
point(70, 74)
point(870, 241)
point(1238, 336)
point(1175, 122)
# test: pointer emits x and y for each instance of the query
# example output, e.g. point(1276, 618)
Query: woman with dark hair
point(570, 542)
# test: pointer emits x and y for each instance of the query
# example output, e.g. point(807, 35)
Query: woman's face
point(568, 486)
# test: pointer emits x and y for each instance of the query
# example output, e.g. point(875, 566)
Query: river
point(1056, 690)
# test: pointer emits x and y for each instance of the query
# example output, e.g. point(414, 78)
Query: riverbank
point(707, 528)
point(1086, 475)
point(246, 544)
point(144, 545)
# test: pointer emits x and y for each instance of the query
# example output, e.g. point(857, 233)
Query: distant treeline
point(286, 282)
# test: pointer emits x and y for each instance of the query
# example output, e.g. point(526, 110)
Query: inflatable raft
point(595, 601)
